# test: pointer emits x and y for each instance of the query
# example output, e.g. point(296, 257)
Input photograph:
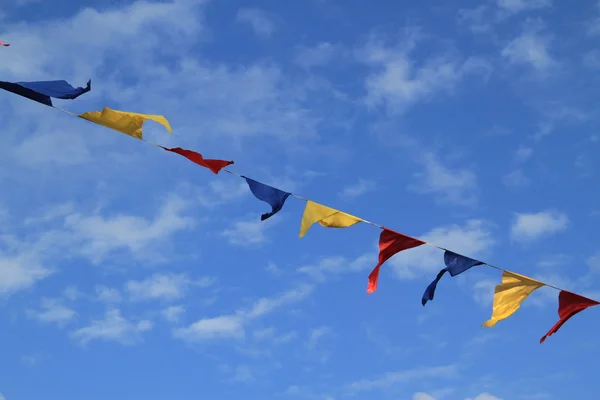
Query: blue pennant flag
point(275, 197)
point(42, 91)
point(455, 264)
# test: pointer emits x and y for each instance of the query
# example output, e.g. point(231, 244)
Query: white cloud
point(54, 311)
point(64, 149)
point(530, 48)
point(317, 56)
point(456, 186)
point(528, 227)
point(473, 239)
point(233, 326)
point(101, 236)
point(478, 19)
point(391, 379)
point(484, 396)
point(230, 326)
point(159, 286)
point(358, 189)
point(112, 328)
point(523, 154)
point(248, 233)
point(422, 396)
point(515, 179)
point(516, 6)
point(173, 313)
point(316, 334)
point(20, 272)
point(338, 265)
point(262, 22)
point(398, 82)
point(483, 291)
point(107, 295)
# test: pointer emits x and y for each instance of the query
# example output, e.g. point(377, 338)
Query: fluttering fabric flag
point(326, 216)
point(125, 122)
point(214, 165)
point(455, 264)
point(509, 295)
point(569, 304)
point(4, 44)
point(390, 243)
point(42, 91)
point(274, 197)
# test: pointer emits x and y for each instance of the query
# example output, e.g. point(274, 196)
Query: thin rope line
point(305, 199)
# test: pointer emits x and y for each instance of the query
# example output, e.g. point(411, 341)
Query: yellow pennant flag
point(125, 122)
point(328, 217)
point(509, 295)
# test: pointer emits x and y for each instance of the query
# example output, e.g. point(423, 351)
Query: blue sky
point(129, 273)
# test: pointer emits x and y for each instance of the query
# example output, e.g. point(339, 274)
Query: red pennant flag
point(390, 243)
point(214, 165)
point(569, 304)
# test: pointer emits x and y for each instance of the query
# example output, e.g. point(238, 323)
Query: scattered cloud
point(230, 326)
point(113, 328)
point(358, 189)
point(243, 373)
point(107, 295)
point(159, 287)
point(422, 396)
point(391, 379)
point(233, 326)
point(337, 265)
point(483, 292)
point(478, 19)
point(53, 311)
point(530, 48)
point(318, 56)
point(399, 82)
point(454, 186)
point(523, 154)
point(262, 22)
point(484, 396)
point(515, 179)
point(529, 227)
point(517, 6)
point(249, 233)
point(173, 313)
point(474, 239)
point(316, 334)
point(102, 236)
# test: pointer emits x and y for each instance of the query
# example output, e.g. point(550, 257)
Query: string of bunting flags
point(508, 295)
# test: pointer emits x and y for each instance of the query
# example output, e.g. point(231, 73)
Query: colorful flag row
point(508, 295)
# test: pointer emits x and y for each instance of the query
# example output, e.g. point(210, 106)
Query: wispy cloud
point(357, 189)
point(249, 233)
point(159, 287)
point(391, 379)
point(531, 48)
point(173, 313)
point(529, 227)
point(473, 239)
point(53, 311)
point(233, 326)
point(107, 295)
point(516, 179)
point(516, 6)
point(113, 328)
point(262, 22)
point(453, 186)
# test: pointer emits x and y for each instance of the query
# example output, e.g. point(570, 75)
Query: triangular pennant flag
point(125, 122)
point(569, 304)
point(509, 295)
point(390, 243)
point(274, 197)
point(214, 165)
point(455, 264)
point(326, 216)
point(42, 91)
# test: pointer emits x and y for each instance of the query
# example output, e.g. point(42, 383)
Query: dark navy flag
point(455, 264)
point(275, 197)
point(42, 91)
